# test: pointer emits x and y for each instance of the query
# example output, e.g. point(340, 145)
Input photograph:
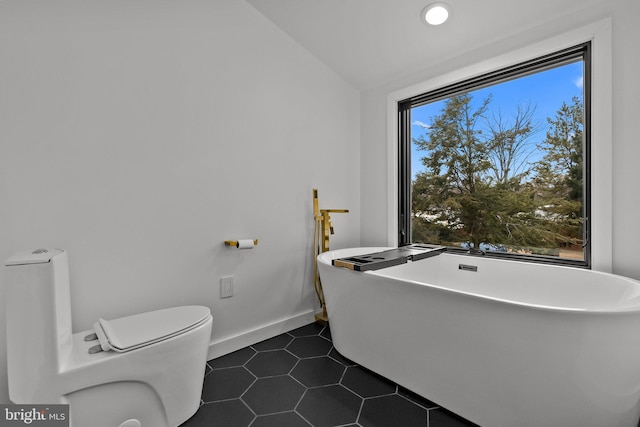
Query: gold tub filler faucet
point(323, 230)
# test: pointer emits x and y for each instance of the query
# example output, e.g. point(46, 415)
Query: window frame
point(581, 51)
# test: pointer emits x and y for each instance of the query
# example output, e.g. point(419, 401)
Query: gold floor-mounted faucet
point(323, 230)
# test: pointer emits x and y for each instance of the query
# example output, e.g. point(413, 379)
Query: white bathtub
point(511, 344)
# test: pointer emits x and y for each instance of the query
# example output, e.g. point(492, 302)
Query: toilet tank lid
point(37, 256)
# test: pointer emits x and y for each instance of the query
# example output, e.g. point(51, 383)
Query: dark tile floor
point(299, 379)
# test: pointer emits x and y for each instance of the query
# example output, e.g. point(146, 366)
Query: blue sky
point(546, 90)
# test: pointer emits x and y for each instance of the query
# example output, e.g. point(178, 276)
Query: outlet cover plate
point(226, 286)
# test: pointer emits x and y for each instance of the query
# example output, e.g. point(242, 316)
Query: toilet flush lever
point(95, 349)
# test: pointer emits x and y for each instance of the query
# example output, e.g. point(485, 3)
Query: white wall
point(140, 135)
point(625, 149)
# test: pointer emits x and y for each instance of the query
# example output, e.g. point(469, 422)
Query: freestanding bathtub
point(511, 344)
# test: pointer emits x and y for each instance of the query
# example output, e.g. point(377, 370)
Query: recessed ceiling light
point(435, 13)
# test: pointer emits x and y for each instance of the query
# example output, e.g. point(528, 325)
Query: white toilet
point(144, 370)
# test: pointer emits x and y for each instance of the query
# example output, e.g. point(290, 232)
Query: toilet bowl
point(144, 370)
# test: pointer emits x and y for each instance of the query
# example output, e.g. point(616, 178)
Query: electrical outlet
point(226, 286)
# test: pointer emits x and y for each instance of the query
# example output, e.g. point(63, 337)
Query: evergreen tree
point(449, 192)
point(559, 179)
point(480, 186)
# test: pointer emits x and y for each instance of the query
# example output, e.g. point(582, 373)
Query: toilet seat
point(140, 330)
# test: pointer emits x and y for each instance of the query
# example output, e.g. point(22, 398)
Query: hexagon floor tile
point(318, 371)
point(298, 379)
point(271, 363)
point(328, 406)
point(260, 397)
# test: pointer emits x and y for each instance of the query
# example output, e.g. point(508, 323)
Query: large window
point(500, 163)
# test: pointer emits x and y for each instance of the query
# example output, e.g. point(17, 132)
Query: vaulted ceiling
point(370, 42)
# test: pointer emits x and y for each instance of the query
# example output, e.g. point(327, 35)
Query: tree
point(449, 191)
point(559, 178)
point(510, 143)
point(475, 186)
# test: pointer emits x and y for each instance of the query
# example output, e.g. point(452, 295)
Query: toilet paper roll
point(245, 244)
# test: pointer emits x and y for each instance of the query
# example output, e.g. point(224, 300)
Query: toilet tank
point(38, 319)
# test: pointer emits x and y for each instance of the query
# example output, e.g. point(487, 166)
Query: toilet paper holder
point(236, 243)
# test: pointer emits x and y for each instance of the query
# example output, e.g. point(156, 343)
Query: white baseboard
point(244, 339)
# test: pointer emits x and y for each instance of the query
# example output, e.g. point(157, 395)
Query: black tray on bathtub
point(388, 258)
